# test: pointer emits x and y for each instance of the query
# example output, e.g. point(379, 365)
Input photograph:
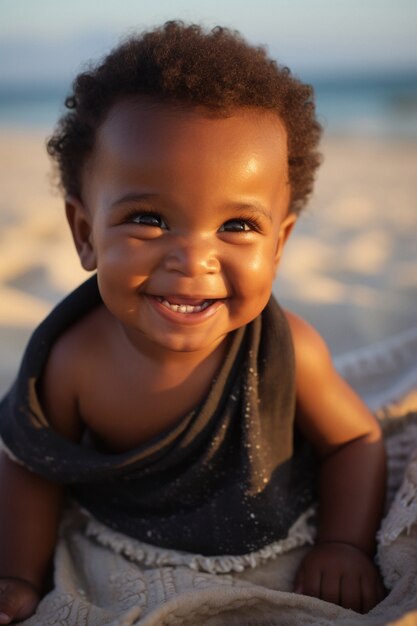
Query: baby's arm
point(29, 516)
point(348, 439)
point(30, 505)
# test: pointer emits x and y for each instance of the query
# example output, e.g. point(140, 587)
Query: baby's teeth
point(185, 308)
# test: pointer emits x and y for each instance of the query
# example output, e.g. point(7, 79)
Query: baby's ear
point(284, 232)
point(80, 221)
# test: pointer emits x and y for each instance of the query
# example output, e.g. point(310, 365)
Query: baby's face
point(184, 216)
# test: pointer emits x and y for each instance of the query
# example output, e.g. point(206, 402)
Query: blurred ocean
point(375, 104)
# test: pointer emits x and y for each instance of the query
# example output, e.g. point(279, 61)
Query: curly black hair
point(217, 70)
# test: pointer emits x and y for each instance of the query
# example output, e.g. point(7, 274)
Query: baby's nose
point(192, 258)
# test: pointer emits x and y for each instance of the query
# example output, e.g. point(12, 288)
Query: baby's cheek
point(255, 276)
point(251, 294)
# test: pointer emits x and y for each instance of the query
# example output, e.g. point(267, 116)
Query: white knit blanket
point(103, 578)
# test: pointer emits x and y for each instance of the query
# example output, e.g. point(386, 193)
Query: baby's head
point(185, 160)
point(217, 71)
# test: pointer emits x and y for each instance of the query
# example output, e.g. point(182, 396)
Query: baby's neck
point(170, 368)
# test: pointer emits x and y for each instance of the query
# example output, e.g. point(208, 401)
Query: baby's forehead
point(181, 128)
point(184, 156)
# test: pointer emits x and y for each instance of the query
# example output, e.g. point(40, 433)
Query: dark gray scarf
point(231, 477)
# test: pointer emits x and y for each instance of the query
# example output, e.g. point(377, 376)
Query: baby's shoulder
point(77, 343)
point(328, 411)
point(67, 363)
point(311, 351)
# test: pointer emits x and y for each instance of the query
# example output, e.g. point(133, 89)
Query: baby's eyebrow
point(252, 209)
point(249, 209)
point(134, 196)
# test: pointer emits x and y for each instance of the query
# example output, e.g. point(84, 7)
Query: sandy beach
point(350, 267)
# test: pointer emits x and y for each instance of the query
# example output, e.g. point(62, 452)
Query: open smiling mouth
point(185, 308)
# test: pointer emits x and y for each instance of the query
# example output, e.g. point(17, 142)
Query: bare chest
point(123, 410)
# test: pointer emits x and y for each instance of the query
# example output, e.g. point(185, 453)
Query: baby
point(170, 393)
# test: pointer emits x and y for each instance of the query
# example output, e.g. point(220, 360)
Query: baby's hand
point(342, 574)
point(18, 600)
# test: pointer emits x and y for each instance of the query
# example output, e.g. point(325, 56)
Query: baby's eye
point(148, 219)
point(236, 226)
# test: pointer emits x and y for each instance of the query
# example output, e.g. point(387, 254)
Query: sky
point(43, 40)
